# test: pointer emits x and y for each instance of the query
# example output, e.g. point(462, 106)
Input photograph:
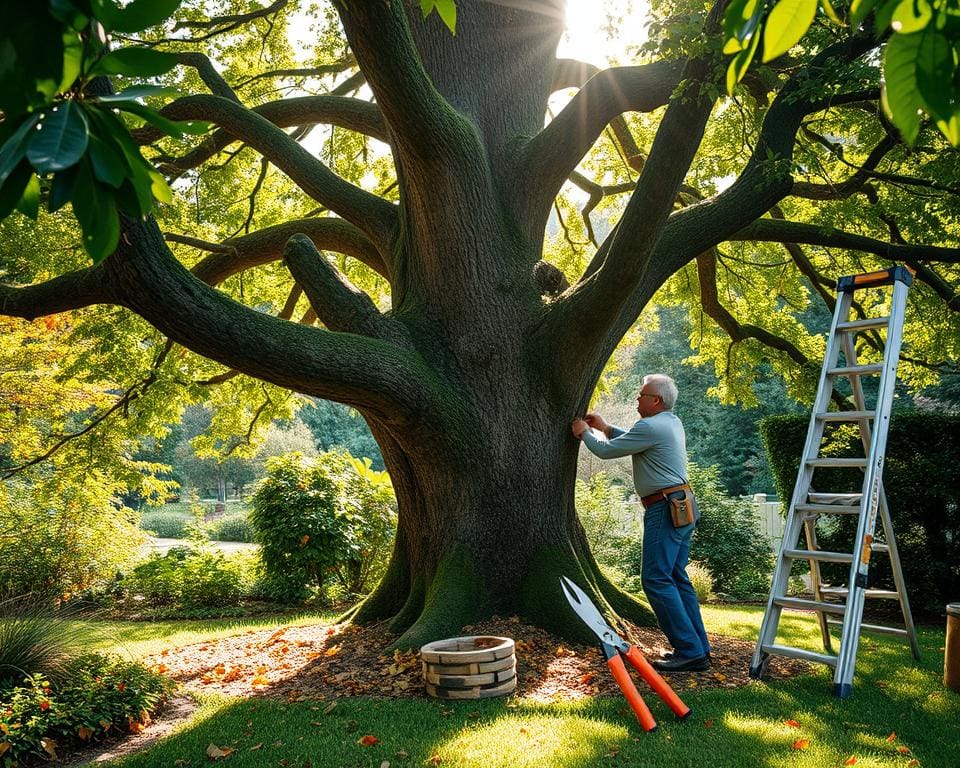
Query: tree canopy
point(450, 234)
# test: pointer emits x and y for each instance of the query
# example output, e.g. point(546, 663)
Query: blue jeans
point(666, 584)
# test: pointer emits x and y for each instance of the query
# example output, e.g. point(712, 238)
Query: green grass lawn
point(742, 727)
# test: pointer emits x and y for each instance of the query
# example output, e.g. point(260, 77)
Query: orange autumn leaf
point(304, 539)
point(913, 763)
point(792, 723)
point(801, 743)
point(134, 726)
point(44, 705)
point(892, 736)
point(708, 723)
point(160, 668)
point(50, 747)
point(260, 680)
point(368, 741)
point(332, 651)
point(588, 678)
point(435, 760)
point(903, 750)
point(4, 746)
point(84, 733)
point(262, 669)
point(850, 760)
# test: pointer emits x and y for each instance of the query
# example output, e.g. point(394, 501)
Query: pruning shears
point(616, 649)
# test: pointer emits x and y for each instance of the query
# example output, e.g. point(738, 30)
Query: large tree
point(472, 346)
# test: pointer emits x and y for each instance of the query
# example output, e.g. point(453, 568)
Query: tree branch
point(73, 290)
point(338, 304)
point(779, 231)
point(374, 216)
point(266, 245)
point(551, 156)
point(208, 73)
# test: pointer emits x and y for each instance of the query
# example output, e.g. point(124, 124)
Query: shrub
point(727, 539)
point(166, 524)
point(189, 578)
point(63, 536)
point(607, 519)
point(314, 519)
point(702, 581)
point(923, 495)
point(232, 528)
point(97, 695)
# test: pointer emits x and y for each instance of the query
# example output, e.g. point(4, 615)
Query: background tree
point(454, 291)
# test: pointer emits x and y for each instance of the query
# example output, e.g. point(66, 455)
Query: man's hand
point(597, 422)
point(578, 427)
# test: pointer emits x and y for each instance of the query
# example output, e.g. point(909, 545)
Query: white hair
point(663, 387)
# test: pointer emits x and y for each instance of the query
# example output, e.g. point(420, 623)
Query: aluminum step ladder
point(843, 605)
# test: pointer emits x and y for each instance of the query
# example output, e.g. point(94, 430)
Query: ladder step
point(799, 604)
point(881, 629)
point(856, 370)
point(800, 653)
point(817, 497)
point(829, 509)
point(845, 462)
point(874, 594)
point(863, 325)
point(818, 555)
point(846, 415)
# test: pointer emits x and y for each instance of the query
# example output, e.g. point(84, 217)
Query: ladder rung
point(799, 604)
point(800, 653)
point(834, 498)
point(846, 415)
point(876, 594)
point(829, 509)
point(818, 555)
point(844, 462)
point(856, 370)
point(878, 628)
point(878, 547)
point(863, 325)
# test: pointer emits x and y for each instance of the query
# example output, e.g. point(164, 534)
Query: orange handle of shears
point(661, 686)
point(637, 704)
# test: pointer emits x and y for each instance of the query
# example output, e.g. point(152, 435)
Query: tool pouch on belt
point(683, 507)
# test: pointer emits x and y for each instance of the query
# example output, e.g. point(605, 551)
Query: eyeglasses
point(647, 394)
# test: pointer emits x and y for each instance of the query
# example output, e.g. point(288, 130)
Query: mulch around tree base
point(325, 663)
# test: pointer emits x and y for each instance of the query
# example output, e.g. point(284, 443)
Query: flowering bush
point(98, 695)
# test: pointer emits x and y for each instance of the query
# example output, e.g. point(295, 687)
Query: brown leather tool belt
point(653, 498)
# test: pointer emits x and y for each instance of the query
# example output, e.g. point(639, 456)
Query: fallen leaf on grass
point(801, 743)
point(903, 750)
point(329, 708)
point(401, 754)
point(708, 723)
point(218, 753)
point(368, 741)
point(850, 760)
point(256, 746)
point(892, 736)
point(385, 764)
point(588, 678)
point(792, 723)
point(435, 760)
point(913, 763)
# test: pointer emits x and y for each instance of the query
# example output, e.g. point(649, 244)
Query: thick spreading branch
point(208, 73)
point(73, 290)
point(371, 214)
point(339, 305)
point(266, 245)
point(551, 156)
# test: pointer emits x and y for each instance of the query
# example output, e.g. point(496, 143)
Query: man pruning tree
point(657, 446)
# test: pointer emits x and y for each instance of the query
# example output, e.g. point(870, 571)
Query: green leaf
point(831, 13)
point(935, 74)
point(741, 63)
point(60, 139)
point(13, 189)
point(135, 62)
point(169, 127)
point(741, 19)
point(72, 59)
point(29, 202)
point(446, 10)
point(31, 50)
point(139, 15)
point(113, 132)
point(109, 165)
point(13, 149)
point(96, 212)
point(139, 92)
point(786, 24)
point(900, 97)
point(911, 16)
point(61, 189)
point(859, 10)
point(951, 129)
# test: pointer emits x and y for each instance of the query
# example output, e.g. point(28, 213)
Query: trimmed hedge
point(923, 492)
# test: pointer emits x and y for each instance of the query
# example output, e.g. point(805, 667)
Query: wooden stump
point(475, 667)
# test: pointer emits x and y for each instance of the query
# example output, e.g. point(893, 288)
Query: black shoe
point(665, 655)
point(674, 664)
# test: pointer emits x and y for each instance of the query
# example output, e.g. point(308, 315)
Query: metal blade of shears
point(584, 608)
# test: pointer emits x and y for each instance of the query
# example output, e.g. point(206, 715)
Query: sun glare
point(601, 32)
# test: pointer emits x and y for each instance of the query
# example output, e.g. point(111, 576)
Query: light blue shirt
point(657, 446)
